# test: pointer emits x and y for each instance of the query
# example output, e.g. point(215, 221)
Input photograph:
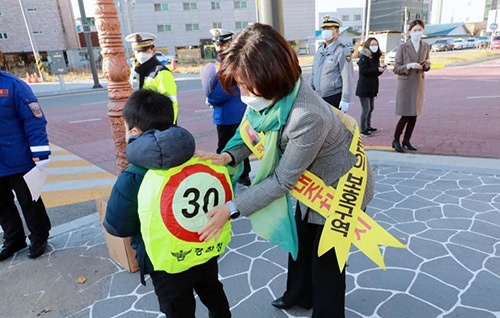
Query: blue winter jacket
point(152, 150)
point(228, 109)
point(23, 133)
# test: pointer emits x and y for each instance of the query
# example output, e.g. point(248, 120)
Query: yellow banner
point(346, 223)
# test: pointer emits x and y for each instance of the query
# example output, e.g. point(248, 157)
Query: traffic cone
point(36, 77)
point(28, 79)
point(173, 64)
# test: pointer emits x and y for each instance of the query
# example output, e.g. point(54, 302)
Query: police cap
point(221, 36)
point(141, 40)
point(330, 22)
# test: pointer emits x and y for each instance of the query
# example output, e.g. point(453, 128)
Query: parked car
point(495, 42)
point(443, 45)
point(390, 57)
point(460, 44)
point(473, 43)
point(165, 59)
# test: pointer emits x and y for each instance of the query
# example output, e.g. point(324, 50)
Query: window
point(161, 6)
point(215, 5)
point(192, 27)
point(37, 32)
point(31, 9)
point(3, 36)
point(357, 17)
point(345, 18)
point(164, 28)
point(190, 6)
point(240, 24)
point(0, 12)
point(217, 25)
point(240, 5)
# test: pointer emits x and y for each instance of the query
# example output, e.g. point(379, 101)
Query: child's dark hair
point(147, 109)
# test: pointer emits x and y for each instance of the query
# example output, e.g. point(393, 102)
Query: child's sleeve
point(122, 218)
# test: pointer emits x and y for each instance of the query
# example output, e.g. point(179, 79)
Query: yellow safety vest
point(172, 207)
point(163, 82)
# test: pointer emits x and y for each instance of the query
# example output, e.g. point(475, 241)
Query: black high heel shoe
point(406, 143)
point(397, 146)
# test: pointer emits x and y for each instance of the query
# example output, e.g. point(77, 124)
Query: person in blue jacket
point(228, 108)
point(23, 144)
point(154, 142)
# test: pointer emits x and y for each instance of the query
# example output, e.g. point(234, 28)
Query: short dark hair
point(263, 59)
point(147, 109)
point(414, 23)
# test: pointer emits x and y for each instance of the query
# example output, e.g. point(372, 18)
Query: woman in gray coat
point(412, 60)
point(302, 132)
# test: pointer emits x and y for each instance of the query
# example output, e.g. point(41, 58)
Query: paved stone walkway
point(448, 218)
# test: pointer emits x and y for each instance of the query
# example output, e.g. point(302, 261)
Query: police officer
point(332, 74)
point(152, 73)
point(228, 108)
point(23, 143)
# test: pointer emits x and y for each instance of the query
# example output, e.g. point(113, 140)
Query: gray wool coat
point(411, 82)
point(314, 139)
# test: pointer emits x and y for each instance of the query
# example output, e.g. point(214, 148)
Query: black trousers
point(334, 100)
point(175, 291)
point(314, 281)
point(224, 134)
point(34, 212)
point(409, 122)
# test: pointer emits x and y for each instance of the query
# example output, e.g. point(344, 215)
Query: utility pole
point(405, 24)
point(368, 14)
point(271, 12)
point(90, 51)
point(33, 44)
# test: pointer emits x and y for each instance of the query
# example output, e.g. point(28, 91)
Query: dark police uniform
point(23, 137)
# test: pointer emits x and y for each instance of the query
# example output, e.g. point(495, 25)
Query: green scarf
point(274, 222)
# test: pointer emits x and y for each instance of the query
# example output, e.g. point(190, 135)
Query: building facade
point(389, 15)
point(52, 28)
point(184, 25)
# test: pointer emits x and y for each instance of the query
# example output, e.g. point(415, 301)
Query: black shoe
point(372, 129)
point(36, 249)
point(245, 181)
point(406, 143)
point(8, 249)
point(397, 146)
point(366, 133)
point(280, 303)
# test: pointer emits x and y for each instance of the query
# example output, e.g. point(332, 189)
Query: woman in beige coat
point(412, 60)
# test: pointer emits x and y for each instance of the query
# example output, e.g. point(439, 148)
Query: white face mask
point(416, 36)
point(143, 56)
point(327, 35)
point(374, 48)
point(256, 102)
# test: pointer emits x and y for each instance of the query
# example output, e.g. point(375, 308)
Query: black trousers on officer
point(34, 212)
point(224, 134)
point(175, 291)
point(334, 100)
point(314, 281)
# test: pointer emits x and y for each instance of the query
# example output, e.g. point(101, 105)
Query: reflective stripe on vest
point(172, 207)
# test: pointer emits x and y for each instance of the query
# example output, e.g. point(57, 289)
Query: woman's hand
point(219, 215)
point(217, 159)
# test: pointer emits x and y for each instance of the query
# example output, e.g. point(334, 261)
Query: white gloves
point(344, 106)
point(414, 65)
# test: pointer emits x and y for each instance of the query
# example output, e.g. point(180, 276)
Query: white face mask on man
point(256, 102)
point(143, 57)
point(327, 35)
